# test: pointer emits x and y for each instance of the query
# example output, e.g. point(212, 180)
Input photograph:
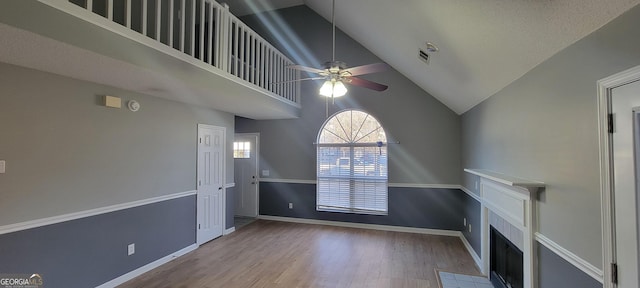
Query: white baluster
point(210, 35)
point(170, 17)
point(158, 19)
point(110, 10)
point(192, 29)
point(182, 20)
point(127, 16)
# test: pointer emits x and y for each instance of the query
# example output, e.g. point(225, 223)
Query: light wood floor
point(278, 254)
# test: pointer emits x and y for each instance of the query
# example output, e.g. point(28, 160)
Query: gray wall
point(544, 127)
point(230, 207)
point(66, 152)
point(408, 207)
point(428, 132)
point(554, 272)
point(471, 210)
point(91, 251)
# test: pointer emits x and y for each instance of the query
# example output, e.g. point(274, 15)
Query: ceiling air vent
point(423, 56)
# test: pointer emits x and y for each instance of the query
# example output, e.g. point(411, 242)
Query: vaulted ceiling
point(484, 45)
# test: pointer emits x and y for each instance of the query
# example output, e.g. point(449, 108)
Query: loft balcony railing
point(206, 31)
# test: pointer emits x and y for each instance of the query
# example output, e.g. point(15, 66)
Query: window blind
point(352, 178)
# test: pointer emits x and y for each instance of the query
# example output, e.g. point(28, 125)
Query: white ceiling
point(484, 45)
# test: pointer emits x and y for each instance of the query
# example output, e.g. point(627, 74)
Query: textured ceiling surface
point(484, 45)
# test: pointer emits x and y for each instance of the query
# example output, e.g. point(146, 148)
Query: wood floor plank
point(274, 254)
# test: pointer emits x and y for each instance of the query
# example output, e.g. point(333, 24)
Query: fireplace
point(512, 201)
point(506, 262)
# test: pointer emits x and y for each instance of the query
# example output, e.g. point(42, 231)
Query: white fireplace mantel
point(532, 186)
point(512, 199)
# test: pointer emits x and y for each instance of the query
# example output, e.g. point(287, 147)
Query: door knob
point(219, 188)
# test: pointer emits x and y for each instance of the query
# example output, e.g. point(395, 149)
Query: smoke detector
point(432, 47)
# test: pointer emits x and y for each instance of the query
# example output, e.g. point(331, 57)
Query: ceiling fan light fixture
point(326, 89)
point(333, 88)
point(339, 89)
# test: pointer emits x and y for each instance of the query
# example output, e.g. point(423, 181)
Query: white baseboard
point(363, 226)
point(229, 231)
point(473, 253)
point(570, 257)
point(146, 268)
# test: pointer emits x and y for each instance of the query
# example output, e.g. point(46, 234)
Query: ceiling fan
point(336, 73)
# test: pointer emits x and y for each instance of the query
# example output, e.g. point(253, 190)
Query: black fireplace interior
point(506, 262)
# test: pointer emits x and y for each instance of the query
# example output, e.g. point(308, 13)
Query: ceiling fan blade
point(307, 69)
point(295, 80)
point(367, 84)
point(367, 69)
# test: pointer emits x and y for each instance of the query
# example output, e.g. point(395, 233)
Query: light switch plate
point(265, 172)
point(3, 166)
point(131, 249)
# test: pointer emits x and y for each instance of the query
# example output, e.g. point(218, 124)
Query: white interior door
point(246, 174)
point(211, 141)
point(625, 105)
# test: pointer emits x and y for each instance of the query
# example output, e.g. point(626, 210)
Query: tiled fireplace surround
point(508, 204)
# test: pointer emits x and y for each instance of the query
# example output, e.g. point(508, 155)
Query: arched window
point(352, 164)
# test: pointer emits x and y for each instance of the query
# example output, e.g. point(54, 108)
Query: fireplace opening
point(506, 262)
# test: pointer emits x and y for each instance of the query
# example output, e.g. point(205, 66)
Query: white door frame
point(257, 153)
point(605, 88)
point(224, 174)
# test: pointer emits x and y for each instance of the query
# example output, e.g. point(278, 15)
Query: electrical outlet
point(465, 221)
point(131, 249)
point(290, 205)
point(469, 228)
point(3, 166)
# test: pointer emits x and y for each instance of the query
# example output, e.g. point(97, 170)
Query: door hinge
point(610, 123)
point(199, 183)
point(614, 273)
point(198, 226)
